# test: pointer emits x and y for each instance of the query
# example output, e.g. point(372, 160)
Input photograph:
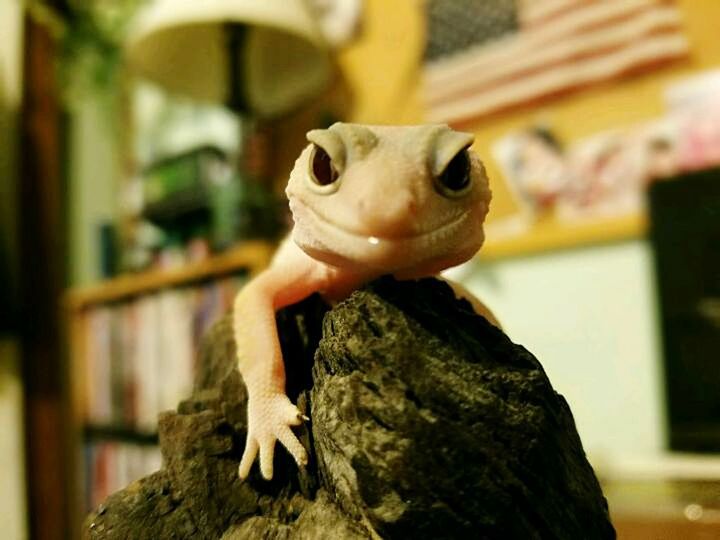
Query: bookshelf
point(113, 423)
point(250, 256)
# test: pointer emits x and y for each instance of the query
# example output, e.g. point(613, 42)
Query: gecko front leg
point(291, 277)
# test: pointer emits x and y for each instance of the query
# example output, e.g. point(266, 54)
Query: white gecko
point(367, 201)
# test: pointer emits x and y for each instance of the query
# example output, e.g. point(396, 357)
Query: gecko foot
point(269, 420)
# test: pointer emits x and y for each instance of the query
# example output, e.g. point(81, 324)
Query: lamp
point(263, 57)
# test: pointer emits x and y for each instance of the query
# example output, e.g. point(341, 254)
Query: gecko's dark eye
point(322, 171)
point(456, 176)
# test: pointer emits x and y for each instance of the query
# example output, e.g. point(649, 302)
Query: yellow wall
point(381, 68)
point(383, 71)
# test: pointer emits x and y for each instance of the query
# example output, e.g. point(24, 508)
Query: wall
point(93, 179)
point(12, 489)
point(589, 314)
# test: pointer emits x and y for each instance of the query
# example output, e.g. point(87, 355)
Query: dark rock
point(426, 422)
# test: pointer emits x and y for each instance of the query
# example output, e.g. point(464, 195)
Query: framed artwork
point(602, 180)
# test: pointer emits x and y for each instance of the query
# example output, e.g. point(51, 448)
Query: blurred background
point(145, 145)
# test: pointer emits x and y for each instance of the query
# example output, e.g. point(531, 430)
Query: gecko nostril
point(412, 207)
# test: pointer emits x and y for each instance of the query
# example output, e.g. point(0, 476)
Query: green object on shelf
point(259, 212)
point(243, 210)
point(179, 186)
point(224, 202)
point(198, 190)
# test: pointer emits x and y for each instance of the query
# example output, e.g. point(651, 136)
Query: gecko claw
point(303, 417)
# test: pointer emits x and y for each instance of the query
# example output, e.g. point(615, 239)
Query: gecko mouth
point(443, 231)
point(449, 244)
point(336, 245)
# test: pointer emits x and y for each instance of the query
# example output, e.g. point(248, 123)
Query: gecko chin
point(340, 247)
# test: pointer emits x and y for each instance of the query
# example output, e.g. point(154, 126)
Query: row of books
point(141, 355)
point(111, 466)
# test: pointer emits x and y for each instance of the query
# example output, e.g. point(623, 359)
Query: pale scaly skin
point(388, 212)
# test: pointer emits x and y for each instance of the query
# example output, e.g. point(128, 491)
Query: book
point(142, 354)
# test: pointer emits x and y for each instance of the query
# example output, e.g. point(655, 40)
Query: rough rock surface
point(426, 422)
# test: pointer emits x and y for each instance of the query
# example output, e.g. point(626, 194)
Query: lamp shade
point(184, 45)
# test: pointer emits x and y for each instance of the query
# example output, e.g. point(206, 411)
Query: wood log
point(426, 422)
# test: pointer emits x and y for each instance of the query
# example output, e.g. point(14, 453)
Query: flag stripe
point(575, 48)
point(562, 78)
point(511, 47)
point(533, 12)
point(569, 44)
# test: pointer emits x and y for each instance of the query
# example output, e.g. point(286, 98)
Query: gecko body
point(366, 201)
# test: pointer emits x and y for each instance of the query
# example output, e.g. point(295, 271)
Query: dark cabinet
point(685, 235)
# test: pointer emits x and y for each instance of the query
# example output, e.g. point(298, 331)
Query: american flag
point(483, 56)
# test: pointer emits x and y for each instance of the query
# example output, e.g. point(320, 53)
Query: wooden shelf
point(251, 256)
point(551, 235)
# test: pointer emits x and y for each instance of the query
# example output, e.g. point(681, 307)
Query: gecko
point(366, 201)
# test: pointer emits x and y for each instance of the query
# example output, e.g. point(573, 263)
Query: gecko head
point(390, 199)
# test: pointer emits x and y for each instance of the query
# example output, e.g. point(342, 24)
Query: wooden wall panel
point(42, 278)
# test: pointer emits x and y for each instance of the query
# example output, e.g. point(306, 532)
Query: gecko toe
point(251, 450)
point(267, 452)
point(293, 445)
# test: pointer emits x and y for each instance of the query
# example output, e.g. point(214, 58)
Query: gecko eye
point(322, 171)
point(454, 180)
